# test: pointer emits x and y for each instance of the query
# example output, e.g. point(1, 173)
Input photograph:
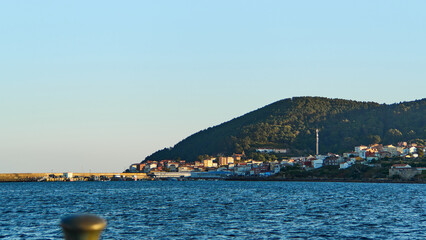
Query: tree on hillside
point(374, 139)
point(393, 135)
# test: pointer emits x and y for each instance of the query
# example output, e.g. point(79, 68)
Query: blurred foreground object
point(83, 227)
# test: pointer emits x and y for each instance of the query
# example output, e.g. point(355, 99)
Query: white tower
point(317, 142)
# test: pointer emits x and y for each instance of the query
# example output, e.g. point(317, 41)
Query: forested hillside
point(291, 124)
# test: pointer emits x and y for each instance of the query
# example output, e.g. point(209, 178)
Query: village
point(238, 165)
point(402, 162)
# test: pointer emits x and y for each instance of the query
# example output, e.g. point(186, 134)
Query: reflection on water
point(218, 209)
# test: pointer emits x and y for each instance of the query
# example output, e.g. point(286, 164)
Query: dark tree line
point(291, 124)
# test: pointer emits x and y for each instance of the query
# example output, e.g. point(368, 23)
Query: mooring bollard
point(83, 227)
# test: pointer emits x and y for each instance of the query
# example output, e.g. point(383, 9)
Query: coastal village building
point(238, 165)
point(208, 162)
point(394, 151)
point(347, 163)
point(172, 166)
point(271, 150)
point(333, 160)
point(317, 163)
point(359, 148)
point(140, 167)
point(350, 154)
point(185, 169)
point(385, 155)
point(239, 157)
point(409, 150)
point(134, 168)
point(225, 160)
point(404, 171)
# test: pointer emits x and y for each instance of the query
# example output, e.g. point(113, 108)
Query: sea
point(217, 209)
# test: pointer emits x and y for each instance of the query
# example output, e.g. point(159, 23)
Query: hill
point(291, 123)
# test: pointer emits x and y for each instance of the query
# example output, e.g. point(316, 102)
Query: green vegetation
point(355, 172)
point(415, 162)
point(291, 124)
point(376, 170)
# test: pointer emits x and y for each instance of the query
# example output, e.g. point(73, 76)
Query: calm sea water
point(218, 209)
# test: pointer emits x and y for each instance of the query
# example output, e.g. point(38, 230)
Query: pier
point(66, 176)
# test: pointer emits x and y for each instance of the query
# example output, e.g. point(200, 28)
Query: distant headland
point(291, 124)
point(304, 138)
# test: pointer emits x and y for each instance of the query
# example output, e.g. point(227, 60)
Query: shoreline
point(322, 180)
point(33, 177)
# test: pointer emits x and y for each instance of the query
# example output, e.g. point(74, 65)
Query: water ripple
point(218, 210)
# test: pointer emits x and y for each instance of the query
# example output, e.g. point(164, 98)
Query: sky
point(99, 85)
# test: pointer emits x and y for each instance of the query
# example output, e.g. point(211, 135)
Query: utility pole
point(317, 142)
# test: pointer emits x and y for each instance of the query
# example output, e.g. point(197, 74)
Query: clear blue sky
point(98, 85)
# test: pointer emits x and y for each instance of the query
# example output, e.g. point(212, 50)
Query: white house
point(362, 153)
point(317, 163)
point(359, 148)
point(409, 150)
point(68, 175)
point(347, 164)
point(242, 169)
point(392, 149)
point(271, 150)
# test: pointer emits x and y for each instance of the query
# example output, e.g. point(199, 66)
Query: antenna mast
point(317, 142)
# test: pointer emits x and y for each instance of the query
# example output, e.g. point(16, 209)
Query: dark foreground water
point(218, 210)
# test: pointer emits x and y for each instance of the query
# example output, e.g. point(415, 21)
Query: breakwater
point(32, 177)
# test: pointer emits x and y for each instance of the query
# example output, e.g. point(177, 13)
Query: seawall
point(29, 177)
